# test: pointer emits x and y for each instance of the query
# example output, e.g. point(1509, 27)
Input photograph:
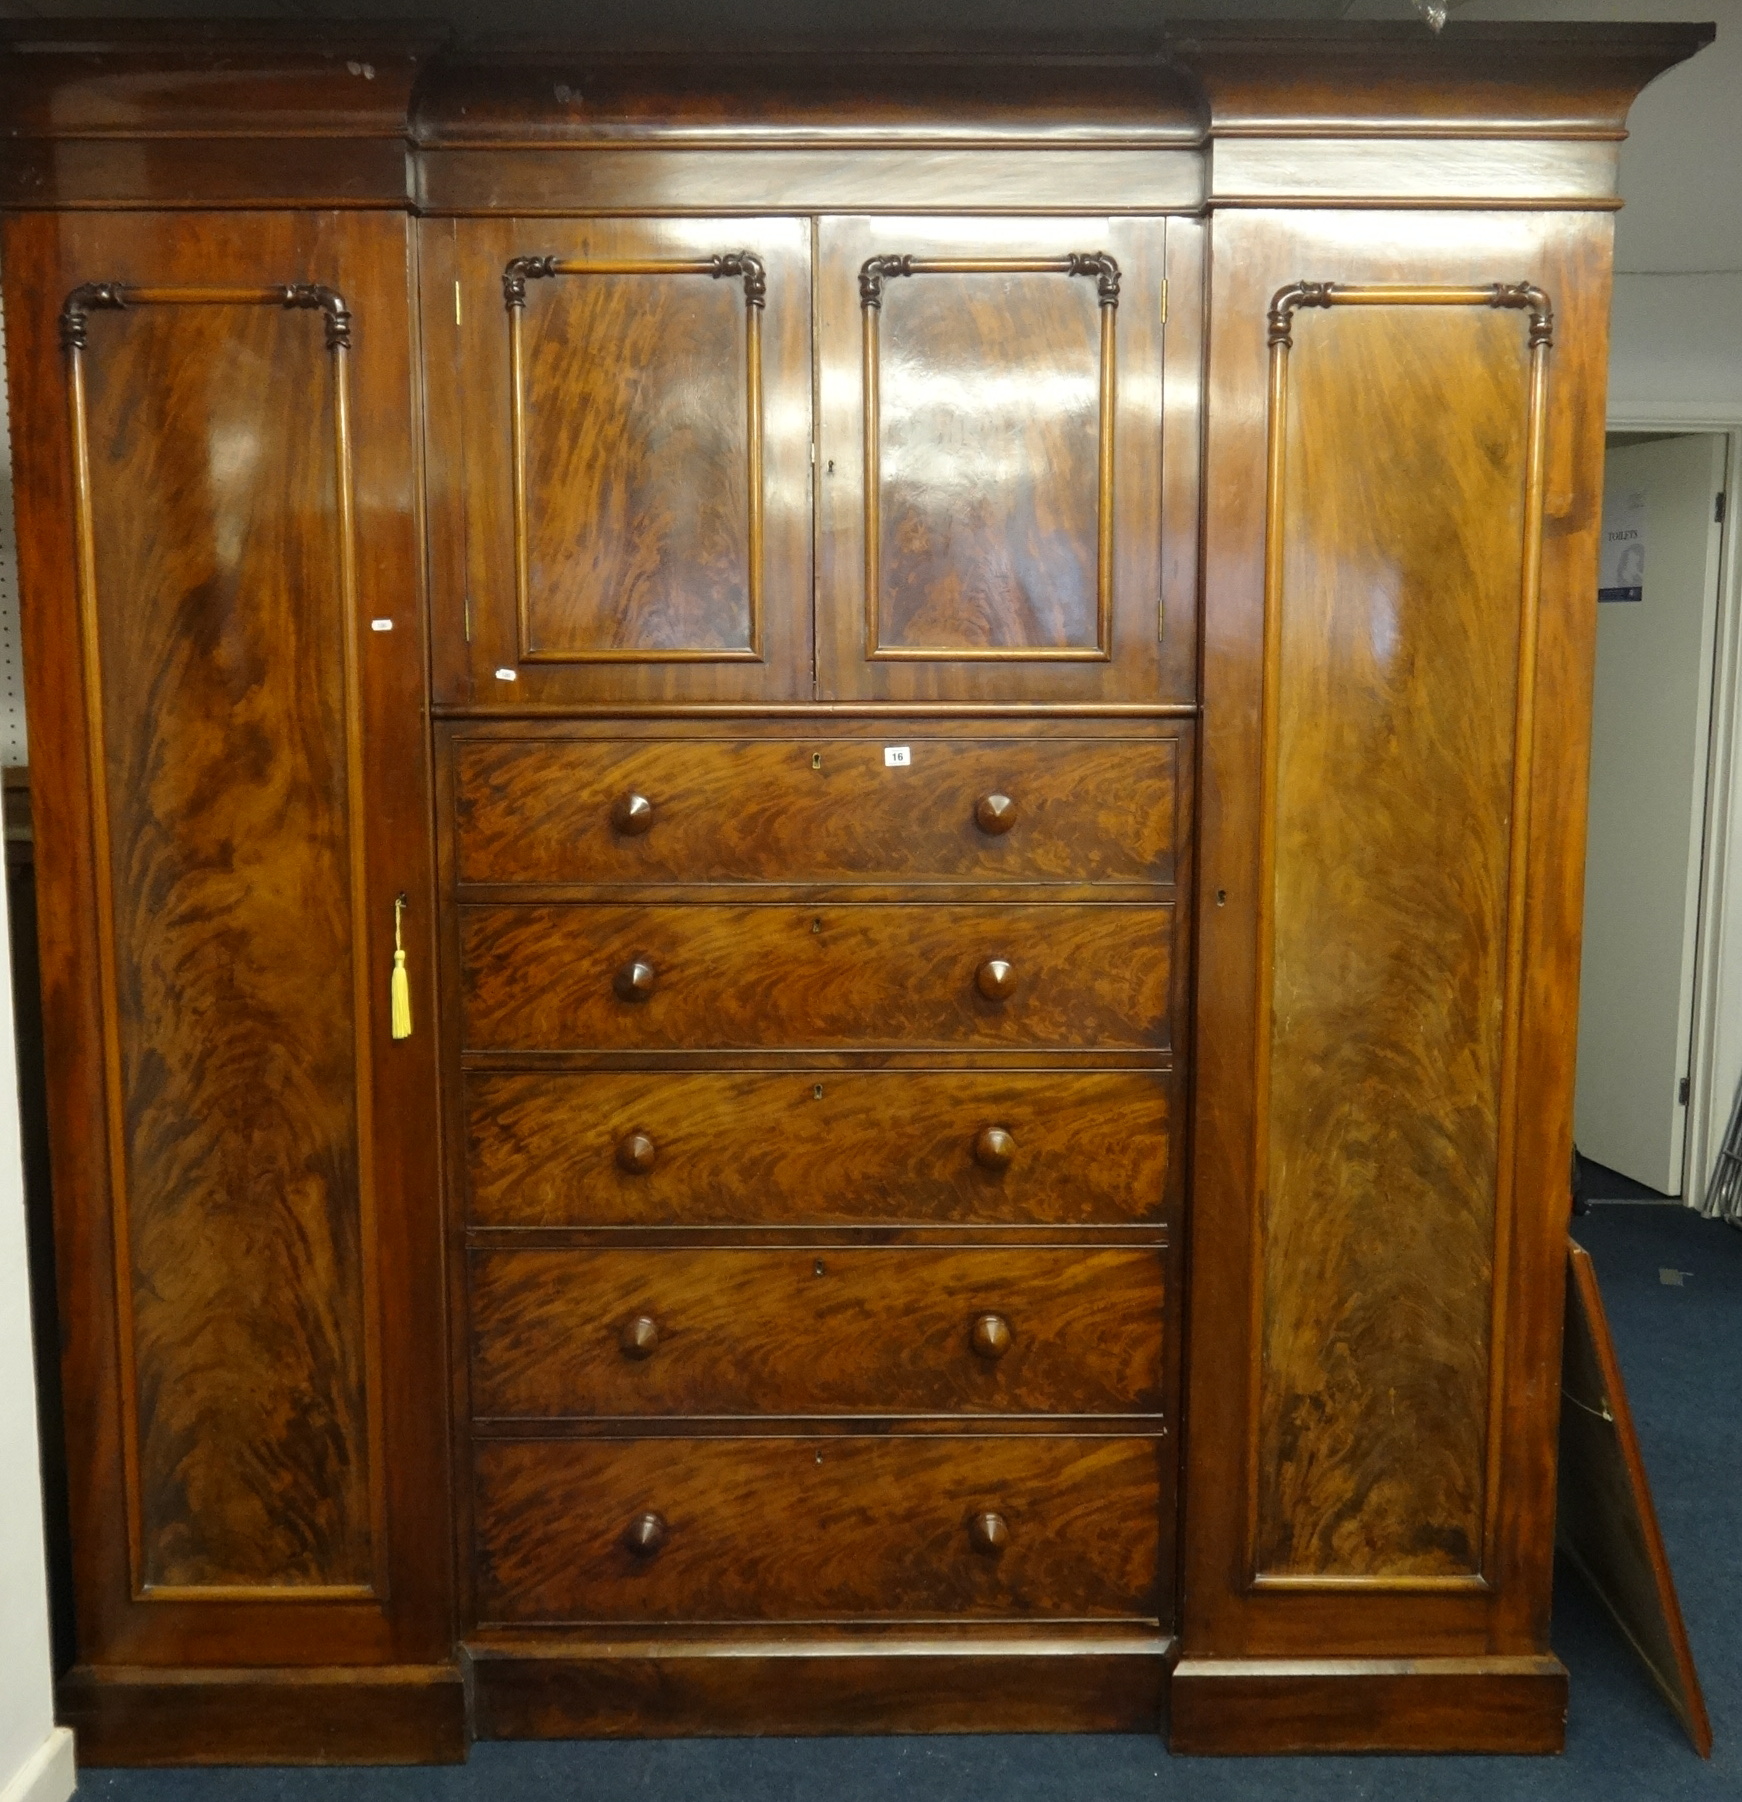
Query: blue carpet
point(1681, 1351)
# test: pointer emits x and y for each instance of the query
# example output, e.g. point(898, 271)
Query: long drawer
point(817, 1147)
point(876, 975)
point(816, 810)
point(816, 1529)
point(878, 1331)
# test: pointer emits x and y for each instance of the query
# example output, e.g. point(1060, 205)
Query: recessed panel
point(1403, 530)
point(639, 401)
point(986, 509)
point(219, 621)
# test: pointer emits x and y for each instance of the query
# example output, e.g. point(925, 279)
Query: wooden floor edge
point(817, 1686)
point(364, 1714)
point(1276, 1705)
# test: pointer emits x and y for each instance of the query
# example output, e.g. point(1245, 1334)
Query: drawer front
point(817, 1529)
point(822, 1147)
point(816, 810)
point(702, 978)
point(879, 1331)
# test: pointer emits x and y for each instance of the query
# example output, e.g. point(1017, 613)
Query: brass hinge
point(456, 302)
point(1164, 300)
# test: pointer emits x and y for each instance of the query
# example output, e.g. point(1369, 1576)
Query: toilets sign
point(1621, 560)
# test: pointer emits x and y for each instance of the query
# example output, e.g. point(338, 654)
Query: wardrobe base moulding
point(328, 1714)
point(811, 1682)
point(1266, 1706)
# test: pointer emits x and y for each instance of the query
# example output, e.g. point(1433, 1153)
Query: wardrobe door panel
point(990, 487)
point(234, 792)
point(630, 404)
point(1398, 629)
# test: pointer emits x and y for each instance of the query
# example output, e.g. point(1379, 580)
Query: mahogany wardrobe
point(810, 845)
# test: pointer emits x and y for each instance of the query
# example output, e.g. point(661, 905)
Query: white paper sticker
point(507, 675)
point(381, 625)
point(1621, 561)
point(896, 757)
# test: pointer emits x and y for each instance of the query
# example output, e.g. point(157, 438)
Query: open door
point(1650, 725)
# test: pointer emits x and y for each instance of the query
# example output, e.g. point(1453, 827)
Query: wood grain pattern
point(849, 974)
point(801, 810)
point(798, 1529)
point(815, 1147)
point(989, 413)
point(1398, 659)
point(215, 552)
point(842, 1331)
point(637, 429)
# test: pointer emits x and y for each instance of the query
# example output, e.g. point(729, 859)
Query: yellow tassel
point(399, 989)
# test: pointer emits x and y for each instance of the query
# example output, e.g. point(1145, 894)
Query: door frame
point(1718, 933)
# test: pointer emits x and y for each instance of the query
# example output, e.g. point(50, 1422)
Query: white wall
point(36, 1757)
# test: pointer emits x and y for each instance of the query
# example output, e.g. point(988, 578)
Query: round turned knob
point(994, 814)
point(996, 979)
point(990, 1337)
point(634, 982)
point(646, 1533)
point(639, 1337)
point(994, 1148)
point(987, 1533)
point(632, 815)
point(637, 1154)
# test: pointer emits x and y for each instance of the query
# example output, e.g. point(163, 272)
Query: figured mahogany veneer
point(833, 1529)
point(844, 974)
point(743, 809)
point(972, 595)
point(809, 1147)
point(836, 1331)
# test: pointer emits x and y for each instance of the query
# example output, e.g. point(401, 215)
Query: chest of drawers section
point(815, 1146)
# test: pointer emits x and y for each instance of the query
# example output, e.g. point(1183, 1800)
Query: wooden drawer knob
point(637, 1154)
point(635, 981)
point(996, 979)
point(645, 1534)
point(987, 1533)
point(639, 1337)
point(990, 1337)
point(994, 814)
point(994, 1148)
point(632, 815)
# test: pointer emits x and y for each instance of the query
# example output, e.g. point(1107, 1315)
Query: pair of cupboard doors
point(766, 460)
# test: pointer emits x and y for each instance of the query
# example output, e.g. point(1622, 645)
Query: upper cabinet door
point(991, 460)
point(620, 459)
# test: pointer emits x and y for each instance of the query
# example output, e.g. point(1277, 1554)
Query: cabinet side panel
point(217, 618)
point(1402, 526)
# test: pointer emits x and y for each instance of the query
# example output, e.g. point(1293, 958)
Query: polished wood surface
point(801, 1529)
point(251, 1432)
point(989, 480)
point(1606, 1521)
point(244, 1179)
point(1387, 927)
point(846, 1331)
point(806, 1147)
point(1492, 1457)
point(745, 809)
point(749, 414)
point(850, 974)
point(619, 458)
point(1004, 1679)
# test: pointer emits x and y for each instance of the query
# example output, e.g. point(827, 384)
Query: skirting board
point(391, 1714)
point(642, 1687)
point(1254, 1705)
point(47, 1775)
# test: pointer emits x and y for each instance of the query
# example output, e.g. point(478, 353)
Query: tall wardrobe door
point(1398, 650)
point(225, 721)
point(990, 480)
point(620, 458)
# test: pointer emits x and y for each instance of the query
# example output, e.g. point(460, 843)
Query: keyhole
point(816, 925)
point(817, 1092)
point(831, 472)
point(819, 1267)
point(1221, 897)
point(816, 760)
